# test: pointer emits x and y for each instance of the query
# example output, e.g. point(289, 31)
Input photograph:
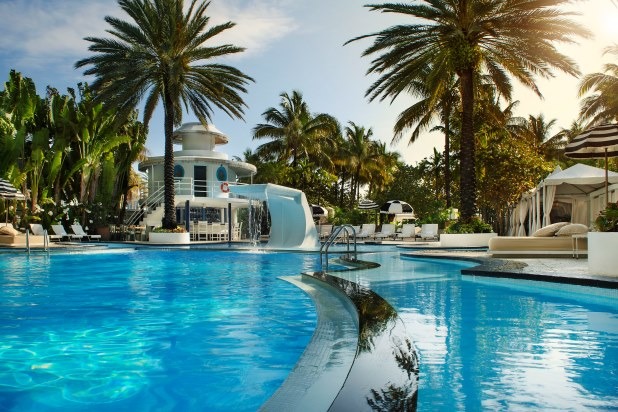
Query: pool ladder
point(45, 241)
point(334, 237)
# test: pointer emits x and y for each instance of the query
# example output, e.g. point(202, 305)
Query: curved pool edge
point(325, 363)
point(385, 372)
point(510, 269)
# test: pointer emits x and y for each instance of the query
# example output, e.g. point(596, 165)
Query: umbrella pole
point(606, 180)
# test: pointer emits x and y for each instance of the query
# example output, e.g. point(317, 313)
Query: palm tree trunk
point(169, 213)
point(447, 157)
point(467, 162)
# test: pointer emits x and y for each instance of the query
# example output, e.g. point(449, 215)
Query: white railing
point(191, 187)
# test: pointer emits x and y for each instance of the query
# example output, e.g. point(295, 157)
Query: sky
point(290, 45)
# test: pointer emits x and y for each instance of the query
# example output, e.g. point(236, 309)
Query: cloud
point(259, 24)
point(37, 32)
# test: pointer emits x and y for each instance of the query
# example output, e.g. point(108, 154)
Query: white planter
point(170, 238)
point(602, 253)
point(466, 239)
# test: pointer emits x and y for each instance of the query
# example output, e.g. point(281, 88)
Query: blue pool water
point(149, 330)
point(502, 345)
point(216, 330)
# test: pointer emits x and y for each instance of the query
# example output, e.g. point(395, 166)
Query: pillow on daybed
point(572, 229)
point(549, 230)
point(9, 230)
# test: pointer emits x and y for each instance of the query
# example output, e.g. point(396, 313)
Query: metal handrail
point(149, 203)
point(332, 238)
point(45, 240)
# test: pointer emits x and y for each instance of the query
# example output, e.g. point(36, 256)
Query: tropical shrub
point(608, 219)
point(475, 225)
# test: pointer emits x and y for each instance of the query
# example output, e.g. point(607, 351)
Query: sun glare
point(609, 24)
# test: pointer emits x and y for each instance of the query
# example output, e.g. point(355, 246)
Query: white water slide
point(291, 222)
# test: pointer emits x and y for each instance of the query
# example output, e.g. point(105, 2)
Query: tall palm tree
point(468, 37)
point(359, 153)
point(159, 56)
point(437, 103)
point(297, 133)
point(602, 106)
point(536, 131)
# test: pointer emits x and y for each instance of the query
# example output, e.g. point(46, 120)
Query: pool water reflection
point(497, 344)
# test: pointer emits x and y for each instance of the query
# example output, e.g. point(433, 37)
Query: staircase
point(151, 212)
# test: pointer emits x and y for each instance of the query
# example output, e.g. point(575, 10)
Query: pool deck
point(563, 269)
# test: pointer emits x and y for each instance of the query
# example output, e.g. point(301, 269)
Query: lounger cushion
point(9, 230)
point(549, 230)
point(572, 229)
point(508, 245)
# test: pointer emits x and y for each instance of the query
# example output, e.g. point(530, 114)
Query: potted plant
point(603, 243)
point(474, 233)
point(98, 217)
point(179, 235)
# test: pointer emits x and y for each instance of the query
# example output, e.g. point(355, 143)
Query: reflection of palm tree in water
point(399, 398)
point(378, 319)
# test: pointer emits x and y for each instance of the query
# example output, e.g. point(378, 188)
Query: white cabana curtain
point(530, 214)
point(523, 212)
point(538, 211)
point(579, 211)
point(513, 221)
point(549, 192)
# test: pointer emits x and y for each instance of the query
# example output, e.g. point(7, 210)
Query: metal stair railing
point(333, 237)
point(150, 203)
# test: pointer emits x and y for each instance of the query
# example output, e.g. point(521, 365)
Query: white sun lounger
point(59, 231)
point(78, 230)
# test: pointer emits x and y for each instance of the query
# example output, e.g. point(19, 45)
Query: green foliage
point(177, 229)
point(350, 216)
point(475, 225)
point(607, 221)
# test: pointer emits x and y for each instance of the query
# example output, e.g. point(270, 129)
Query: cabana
point(575, 194)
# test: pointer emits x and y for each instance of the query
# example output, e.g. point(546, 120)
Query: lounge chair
point(429, 231)
point(325, 231)
point(59, 231)
point(408, 230)
point(78, 230)
point(38, 230)
point(367, 230)
point(388, 230)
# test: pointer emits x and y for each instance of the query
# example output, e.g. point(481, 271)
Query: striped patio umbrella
point(367, 204)
point(599, 142)
point(9, 192)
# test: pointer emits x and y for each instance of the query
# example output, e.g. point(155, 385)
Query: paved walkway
point(564, 269)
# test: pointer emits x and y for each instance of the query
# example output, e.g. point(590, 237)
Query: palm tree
point(439, 106)
point(297, 134)
point(536, 131)
point(358, 148)
point(159, 56)
point(468, 37)
point(602, 106)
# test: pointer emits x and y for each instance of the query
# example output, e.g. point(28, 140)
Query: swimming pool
point(185, 329)
point(149, 330)
point(499, 344)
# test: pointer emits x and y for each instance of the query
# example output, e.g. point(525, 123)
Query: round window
point(221, 174)
point(179, 171)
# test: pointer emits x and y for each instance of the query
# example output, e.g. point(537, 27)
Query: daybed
point(553, 240)
point(9, 236)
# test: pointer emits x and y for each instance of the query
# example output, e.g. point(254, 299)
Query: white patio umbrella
point(599, 142)
point(8, 191)
point(319, 211)
point(393, 207)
